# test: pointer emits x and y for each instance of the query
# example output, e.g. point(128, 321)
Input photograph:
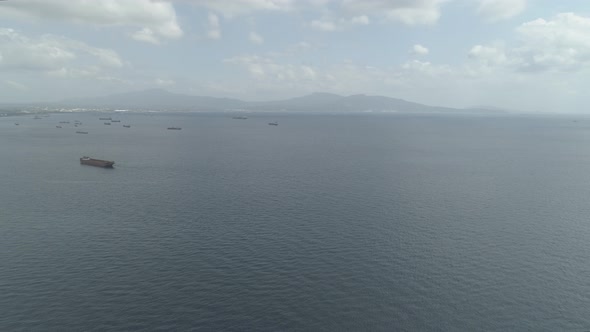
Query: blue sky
point(529, 55)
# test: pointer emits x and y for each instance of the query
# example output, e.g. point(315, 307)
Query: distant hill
point(158, 99)
point(356, 103)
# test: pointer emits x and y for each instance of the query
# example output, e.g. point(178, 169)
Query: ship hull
point(97, 162)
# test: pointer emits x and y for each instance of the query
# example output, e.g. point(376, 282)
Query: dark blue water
point(323, 223)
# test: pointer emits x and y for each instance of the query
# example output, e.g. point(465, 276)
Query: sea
point(326, 222)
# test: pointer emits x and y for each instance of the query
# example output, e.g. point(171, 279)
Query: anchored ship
point(174, 128)
point(96, 162)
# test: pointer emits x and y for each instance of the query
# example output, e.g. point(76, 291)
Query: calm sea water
point(323, 223)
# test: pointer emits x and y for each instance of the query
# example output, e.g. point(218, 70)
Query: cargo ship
point(96, 162)
point(273, 123)
point(174, 128)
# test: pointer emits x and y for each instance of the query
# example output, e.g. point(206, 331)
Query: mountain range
point(158, 99)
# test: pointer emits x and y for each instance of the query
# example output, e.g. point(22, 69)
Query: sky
point(526, 55)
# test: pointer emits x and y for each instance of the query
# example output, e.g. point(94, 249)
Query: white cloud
point(361, 20)
point(308, 72)
point(268, 69)
point(158, 17)
point(164, 82)
point(214, 34)
point(104, 57)
point(296, 49)
point(255, 38)
point(548, 61)
point(416, 12)
point(254, 64)
point(419, 50)
point(323, 25)
point(301, 46)
point(214, 27)
point(146, 35)
point(415, 16)
point(427, 68)
point(49, 53)
point(233, 8)
point(280, 77)
point(561, 44)
point(113, 79)
point(80, 72)
point(21, 52)
point(328, 24)
point(489, 55)
point(15, 85)
point(496, 10)
point(404, 11)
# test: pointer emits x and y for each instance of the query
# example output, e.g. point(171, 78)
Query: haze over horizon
point(515, 54)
